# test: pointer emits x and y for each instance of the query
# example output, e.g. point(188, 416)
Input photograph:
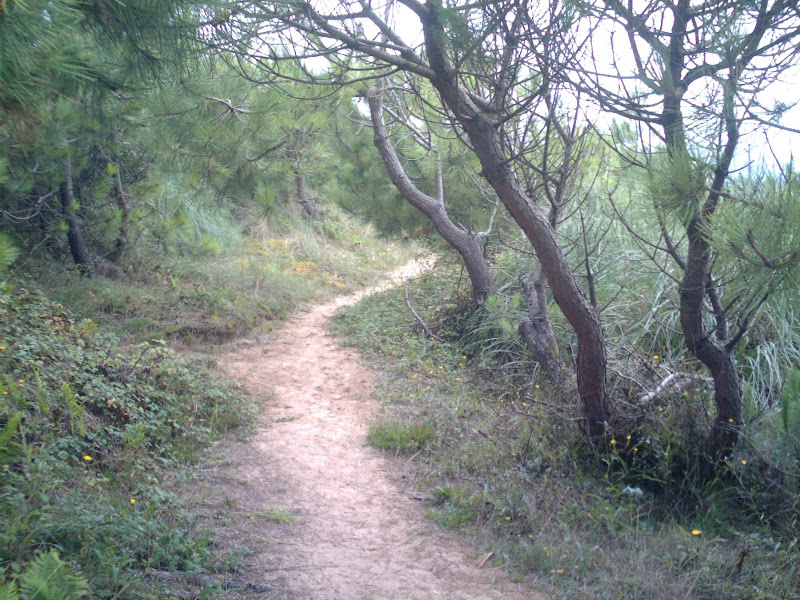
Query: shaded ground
point(323, 516)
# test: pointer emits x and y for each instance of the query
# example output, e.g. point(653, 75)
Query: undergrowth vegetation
point(100, 415)
point(220, 283)
point(498, 452)
point(88, 435)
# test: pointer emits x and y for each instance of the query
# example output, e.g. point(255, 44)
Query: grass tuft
point(402, 438)
point(278, 515)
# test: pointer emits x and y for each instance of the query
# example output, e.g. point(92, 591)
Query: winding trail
point(357, 533)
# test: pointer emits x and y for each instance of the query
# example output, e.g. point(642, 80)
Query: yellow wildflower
point(655, 357)
point(696, 532)
point(744, 462)
point(133, 500)
point(88, 458)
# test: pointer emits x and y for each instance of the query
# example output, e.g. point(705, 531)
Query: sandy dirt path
point(358, 533)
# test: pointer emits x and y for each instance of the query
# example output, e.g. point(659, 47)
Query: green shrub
point(453, 507)
point(87, 433)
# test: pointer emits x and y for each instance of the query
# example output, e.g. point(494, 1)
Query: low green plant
point(453, 507)
point(45, 577)
point(8, 254)
point(402, 438)
point(634, 520)
point(278, 515)
point(88, 435)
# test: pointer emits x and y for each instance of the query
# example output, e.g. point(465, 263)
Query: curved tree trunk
point(582, 316)
point(77, 246)
point(714, 351)
point(484, 132)
point(465, 243)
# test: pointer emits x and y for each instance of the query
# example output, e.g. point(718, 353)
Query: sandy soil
point(358, 532)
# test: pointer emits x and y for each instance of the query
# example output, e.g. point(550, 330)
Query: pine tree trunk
point(121, 199)
point(484, 134)
point(303, 198)
point(712, 350)
point(77, 246)
point(537, 329)
point(471, 253)
point(464, 242)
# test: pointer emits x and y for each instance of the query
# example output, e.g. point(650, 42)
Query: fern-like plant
point(8, 254)
point(50, 578)
point(76, 411)
point(8, 431)
point(9, 591)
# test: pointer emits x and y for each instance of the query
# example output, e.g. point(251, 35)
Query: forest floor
point(313, 513)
